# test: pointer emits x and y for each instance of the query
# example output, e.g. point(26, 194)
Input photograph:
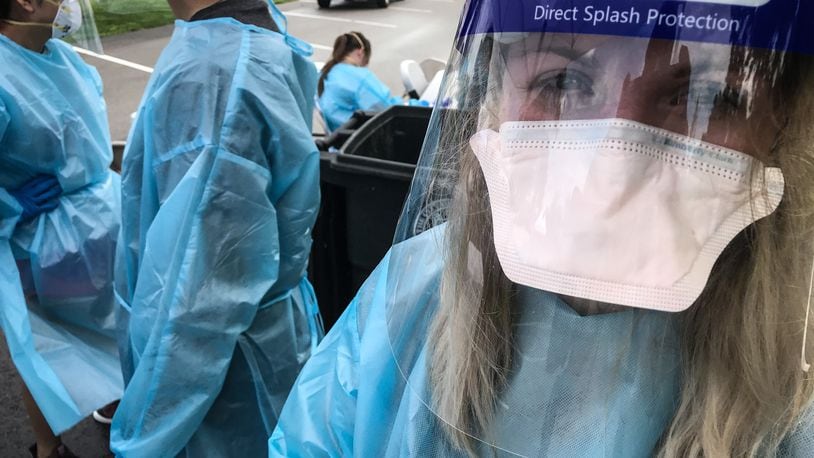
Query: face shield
point(594, 165)
point(77, 23)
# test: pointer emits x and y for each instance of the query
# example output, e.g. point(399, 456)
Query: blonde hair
point(742, 388)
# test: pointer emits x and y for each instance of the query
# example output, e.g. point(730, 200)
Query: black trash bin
point(363, 191)
point(336, 139)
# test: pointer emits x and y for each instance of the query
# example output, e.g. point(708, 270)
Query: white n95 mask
point(617, 211)
point(68, 19)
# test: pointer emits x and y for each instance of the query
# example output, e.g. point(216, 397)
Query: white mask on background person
point(617, 211)
point(67, 21)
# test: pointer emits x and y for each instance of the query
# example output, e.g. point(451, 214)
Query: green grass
point(121, 16)
point(114, 17)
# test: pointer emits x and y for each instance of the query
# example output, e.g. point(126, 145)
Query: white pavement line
point(326, 48)
point(340, 19)
point(314, 16)
point(409, 10)
point(377, 24)
point(115, 60)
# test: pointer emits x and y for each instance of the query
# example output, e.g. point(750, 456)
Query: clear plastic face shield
point(86, 36)
point(649, 154)
point(598, 164)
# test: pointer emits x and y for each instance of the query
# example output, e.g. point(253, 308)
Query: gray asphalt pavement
point(410, 29)
point(88, 439)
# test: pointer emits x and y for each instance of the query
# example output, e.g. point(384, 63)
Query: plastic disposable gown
point(349, 88)
point(364, 392)
point(221, 189)
point(374, 399)
point(56, 271)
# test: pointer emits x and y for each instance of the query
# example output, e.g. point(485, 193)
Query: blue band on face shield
point(782, 25)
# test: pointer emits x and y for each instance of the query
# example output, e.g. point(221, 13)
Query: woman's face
point(714, 93)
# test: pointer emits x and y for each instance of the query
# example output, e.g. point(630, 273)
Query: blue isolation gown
point(349, 88)
point(56, 271)
point(589, 386)
point(576, 387)
point(220, 192)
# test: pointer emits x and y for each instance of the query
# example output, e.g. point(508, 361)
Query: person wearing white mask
point(621, 264)
point(66, 21)
point(59, 219)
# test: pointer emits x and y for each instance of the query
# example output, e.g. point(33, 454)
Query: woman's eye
point(561, 92)
point(561, 81)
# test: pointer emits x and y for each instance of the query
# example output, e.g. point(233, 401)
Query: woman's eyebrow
point(567, 52)
point(582, 56)
point(573, 53)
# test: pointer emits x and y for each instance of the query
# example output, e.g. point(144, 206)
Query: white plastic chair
point(434, 86)
point(319, 117)
point(432, 66)
point(413, 77)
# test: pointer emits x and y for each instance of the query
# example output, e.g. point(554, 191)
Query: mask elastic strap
point(28, 24)
point(804, 365)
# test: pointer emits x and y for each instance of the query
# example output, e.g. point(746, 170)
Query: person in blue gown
point(602, 253)
point(220, 192)
point(346, 84)
point(59, 221)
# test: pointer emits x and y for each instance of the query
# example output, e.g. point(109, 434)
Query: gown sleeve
point(375, 95)
point(9, 208)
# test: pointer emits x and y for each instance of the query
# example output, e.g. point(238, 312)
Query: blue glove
point(418, 103)
point(37, 196)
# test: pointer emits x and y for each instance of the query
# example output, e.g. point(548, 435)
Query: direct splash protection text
point(652, 17)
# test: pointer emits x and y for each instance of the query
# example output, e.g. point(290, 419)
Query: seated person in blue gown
point(346, 84)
